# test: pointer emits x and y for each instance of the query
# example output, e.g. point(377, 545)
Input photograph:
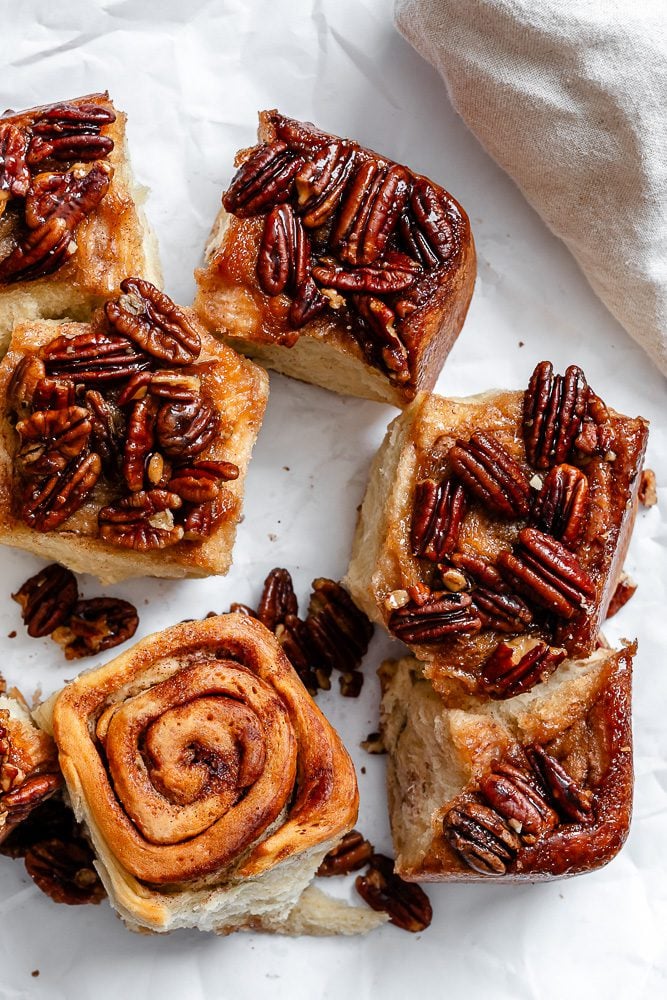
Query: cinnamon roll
point(209, 782)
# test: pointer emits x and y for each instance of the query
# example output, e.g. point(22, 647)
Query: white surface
point(192, 76)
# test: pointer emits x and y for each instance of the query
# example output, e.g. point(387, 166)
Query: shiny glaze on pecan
point(14, 172)
point(504, 674)
point(553, 412)
point(266, 178)
point(351, 854)
point(96, 624)
point(148, 317)
point(571, 801)
point(50, 438)
point(561, 507)
point(547, 574)
point(48, 502)
point(278, 599)
point(142, 521)
point(482, 838)
point(432, 617)
point(47, 599)
point(516, 796)
point(184, 430)
point(93, 358)
point(437, 513)
point(27, 375)
point(497, 606)
point(406, 903)
point(491, 475)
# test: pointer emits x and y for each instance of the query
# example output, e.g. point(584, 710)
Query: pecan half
point(437, 513)
point(69, 118)
point(481, 837)
point(139, 439)
point(264, 179)
point(513, 795)
point(22, 800)
point(27, 375)
point(184, 430)
point(372, 203)
point(71, 132)
point(40, 253)
point(200, 482)
point(571, 801)
point(49, 439)
point(561, 507)
point(143, 521)
point(46, 599)
point(597, 431)
point(434, 618)
point(427, 226)
point(283, 264)
point(174, 387)
point(553, 412)
point(547, 574)
point(70, 196)
point(64, 871)
point(278, 599)
point(406, 903)
point(49, 502)
point(395, 273)
point(338, 632)
point(504, 676)
point(202, 519)
point(490, 473)
point(155, 323)
point(498, 608)
point(96, 624)
point(351, 854)
point(93, 357)
point(294, 639)
point(321, 181)
point(14, 173)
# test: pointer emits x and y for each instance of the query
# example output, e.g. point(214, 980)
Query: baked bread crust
point(29, 771)
point(415, 447)
point(231, 301)
point(113, 240)
point(439, 753)
point(238, 390)
point(177, 846)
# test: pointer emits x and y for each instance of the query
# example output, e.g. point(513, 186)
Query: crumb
point(34, 973)
point(145, 600)
point(521, 343)
point(272, 537)
point(363, 770)
point(286, 468)
point(12, 635)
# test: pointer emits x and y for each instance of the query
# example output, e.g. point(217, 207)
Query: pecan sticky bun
point(210, 784)
point(131, 435)
point(324, 239)
point(501, 537)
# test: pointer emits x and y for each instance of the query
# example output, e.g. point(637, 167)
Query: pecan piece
point(625, 589)
point(96, 624)
point(200, 482)
point(438, 510)
point(428, 226)
point(283, 264)
point(41, 252)
point(561, 507)
point(513, 795)
point(174, 387)
point(571, 801)
point(49, 502)
point(432, 618)
point(481, 837)
point(378, 338)
point(490, 473)
point(338, 632)
point(351, 683)
point(373, 201)
point(202, 519)
point(64, 871)
point(547, 574)
point(71, 196)
point(49, 439)
point(71, 132)
point(143, 521)
point(648, 491)
point(504, 676)
point(553, 412)
point(351, 854)
point(93, 357)
point(27, 375)
point(597, 432)
point(395, 273)
point(264, 179)
point(14, 173)
point(294, 639)
point(183, 430)
point(106, 431)
point(54, 394)
point(139, 439)
point(278, 599)
point(406, 903)
point(155, 323)
point(46, 599)
point(321, 181)
point(21, 801)
point(498, 608)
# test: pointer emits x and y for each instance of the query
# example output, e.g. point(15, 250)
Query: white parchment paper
point(192, 76)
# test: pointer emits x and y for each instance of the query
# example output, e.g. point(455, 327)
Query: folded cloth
point(569, 98)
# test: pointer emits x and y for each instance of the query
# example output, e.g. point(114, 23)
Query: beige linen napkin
point(570, 98)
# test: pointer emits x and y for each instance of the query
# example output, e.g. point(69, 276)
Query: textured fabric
point(570, 98)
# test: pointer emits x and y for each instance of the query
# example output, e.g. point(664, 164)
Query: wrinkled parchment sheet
point(192, 74)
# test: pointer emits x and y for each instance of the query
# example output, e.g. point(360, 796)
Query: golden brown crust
point(238, 390)
point(582, 716)
point(230, 301)
point(416, 447)
point(113, 240)
point(156, 747)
